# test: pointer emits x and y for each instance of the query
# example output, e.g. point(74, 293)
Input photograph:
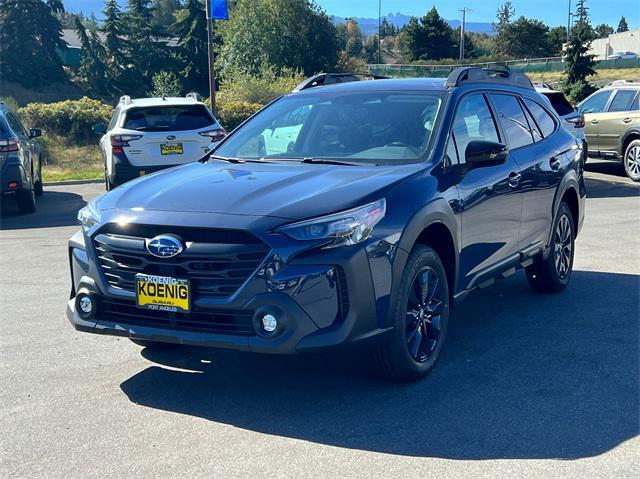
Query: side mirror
point(100, 129)
point(485, 153)
point(35, 132)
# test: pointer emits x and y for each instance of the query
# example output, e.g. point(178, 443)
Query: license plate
point(163, 293)
point(171, 149)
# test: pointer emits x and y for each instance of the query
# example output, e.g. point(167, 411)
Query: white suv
point(150, 134)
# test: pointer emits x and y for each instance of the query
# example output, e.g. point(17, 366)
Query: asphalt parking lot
point(528, 385)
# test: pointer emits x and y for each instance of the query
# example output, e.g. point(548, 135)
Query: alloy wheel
point(424, 314)
point(632, 161)
point(563, 246)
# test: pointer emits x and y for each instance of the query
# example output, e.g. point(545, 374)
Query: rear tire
point(631, 160)
point(552, 275)
point(26, 201)
point(38, 188)
point(420, 315)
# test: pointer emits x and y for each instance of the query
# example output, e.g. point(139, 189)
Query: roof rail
point(495, 74)
point(623, 82)
point(330, 78)
point(125, 99)
point(194, 95)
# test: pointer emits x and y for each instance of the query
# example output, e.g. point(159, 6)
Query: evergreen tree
point(603, 30)
point(115, 47)
point(93, 71)
point(557, 37)
point(623, 26)
point(164, 14)
point(503, 30)
point(30, 33)
point(430, 38)
point(579, 64)
point(191, 29)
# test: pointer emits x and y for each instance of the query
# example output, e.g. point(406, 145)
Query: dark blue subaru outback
point(338, 214)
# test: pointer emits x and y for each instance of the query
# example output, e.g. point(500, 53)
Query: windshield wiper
point(224, 158)
point(330, 162)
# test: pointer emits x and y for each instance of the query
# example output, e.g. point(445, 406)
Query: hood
point(284, 190)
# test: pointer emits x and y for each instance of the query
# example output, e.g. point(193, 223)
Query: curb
point(72, 182)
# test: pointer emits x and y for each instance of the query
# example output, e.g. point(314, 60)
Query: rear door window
point(596, 103)
point(559, 103)
point(544, 120)
point(623, 100)
point(168, 118)
point(473, 121)
point(15, 125)
point(514, 122)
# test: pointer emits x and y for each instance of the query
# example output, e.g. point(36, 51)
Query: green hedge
point(232, 113)
point(71, 119)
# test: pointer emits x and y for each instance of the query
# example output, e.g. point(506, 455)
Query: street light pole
point(569, 22)
point(379, 35)
point(212, 66)
point(464, 11)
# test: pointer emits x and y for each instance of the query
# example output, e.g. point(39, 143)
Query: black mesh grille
point(216, 262)
point(219, 321)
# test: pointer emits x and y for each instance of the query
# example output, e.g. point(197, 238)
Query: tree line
point(159, 45)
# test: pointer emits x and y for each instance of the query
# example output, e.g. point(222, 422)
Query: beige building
point(629, 41)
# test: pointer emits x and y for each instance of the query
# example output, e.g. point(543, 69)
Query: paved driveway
point(528, 385)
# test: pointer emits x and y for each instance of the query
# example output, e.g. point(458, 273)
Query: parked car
point(150, 134)
point(574, 120)
point(623, 56)
point(612, 118)
point(20, 161)
point(394, 199)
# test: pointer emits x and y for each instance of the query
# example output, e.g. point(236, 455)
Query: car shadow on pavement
point(601, 188)
point(53, 209)
point(522, 375)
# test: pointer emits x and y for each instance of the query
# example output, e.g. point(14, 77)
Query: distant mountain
point(370, 25)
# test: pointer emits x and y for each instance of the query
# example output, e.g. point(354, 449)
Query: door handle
point(514, 179)
point(627, 120)
point(554, 163)
point(594, 122)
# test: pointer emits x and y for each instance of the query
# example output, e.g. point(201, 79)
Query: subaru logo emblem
point(171, 137)
point(164, 246)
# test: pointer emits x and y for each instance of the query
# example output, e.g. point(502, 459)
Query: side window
point(596, 103)
point(15, 125)
point(451, 153)
point(114, 119)
point(535, 129)
point(473, 121)
point(514, 123)
point(635, 106)
point(622, 100)
point(545, 122)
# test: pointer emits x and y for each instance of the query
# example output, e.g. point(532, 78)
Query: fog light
point(269, 323)
point(85, 305)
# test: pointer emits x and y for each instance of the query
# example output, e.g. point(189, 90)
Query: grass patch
point(601, 78)
point(66, 161)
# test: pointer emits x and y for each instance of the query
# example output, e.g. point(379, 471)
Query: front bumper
point(322, 299)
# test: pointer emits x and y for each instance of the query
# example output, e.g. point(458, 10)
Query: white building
point(618, 42)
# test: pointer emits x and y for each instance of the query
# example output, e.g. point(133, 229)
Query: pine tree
point(114, 46)
point(92, 66)
point(502, 29)
point(623, 26)
point(191, 29)
point(30, 33)
point(579, 64)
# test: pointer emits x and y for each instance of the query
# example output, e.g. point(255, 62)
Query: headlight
point(89, 216)
point(345, 228)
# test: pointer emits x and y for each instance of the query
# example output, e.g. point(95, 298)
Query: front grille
point(217, 262)
point(219, 321)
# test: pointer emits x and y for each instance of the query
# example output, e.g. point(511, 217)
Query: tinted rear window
point(623, 100)
point(168, 118)
point(559, 103)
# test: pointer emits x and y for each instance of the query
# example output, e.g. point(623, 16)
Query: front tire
point(552, 275)
point(420, 316)
point(631, 160)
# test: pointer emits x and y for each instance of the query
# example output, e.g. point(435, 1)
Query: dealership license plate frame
point(156, 303)
point(171, 149)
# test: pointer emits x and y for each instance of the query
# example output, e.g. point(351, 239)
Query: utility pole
point(379, 35)
point(569, 22)
point(212, 66)
point(464, 11)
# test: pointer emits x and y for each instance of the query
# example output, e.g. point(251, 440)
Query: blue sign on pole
point(219, 10)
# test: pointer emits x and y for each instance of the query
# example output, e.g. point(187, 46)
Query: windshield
point(354, 127)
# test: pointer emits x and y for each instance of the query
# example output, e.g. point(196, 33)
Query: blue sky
point(552, 12)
